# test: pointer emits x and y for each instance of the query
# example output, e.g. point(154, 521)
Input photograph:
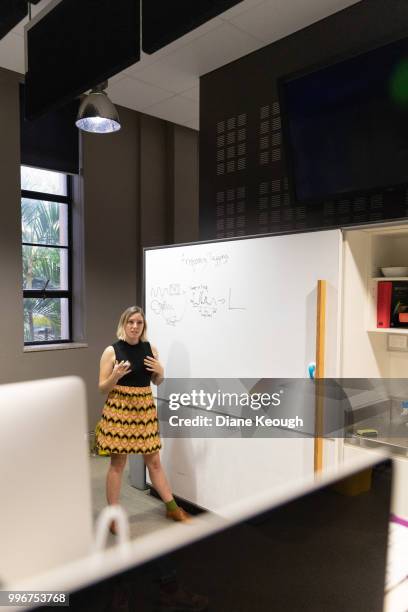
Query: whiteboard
point(241, 308)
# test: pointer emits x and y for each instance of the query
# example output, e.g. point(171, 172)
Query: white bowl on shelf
point(395, 271)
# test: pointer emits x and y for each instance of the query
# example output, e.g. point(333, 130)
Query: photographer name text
point(228, 421)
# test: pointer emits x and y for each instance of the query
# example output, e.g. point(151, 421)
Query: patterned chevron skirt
point(129, 422)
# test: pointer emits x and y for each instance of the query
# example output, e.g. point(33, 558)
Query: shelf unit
point(365, 351)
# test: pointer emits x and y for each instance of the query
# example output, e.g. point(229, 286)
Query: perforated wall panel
point(243, 174)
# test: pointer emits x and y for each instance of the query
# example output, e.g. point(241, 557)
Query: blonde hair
point(124, 318)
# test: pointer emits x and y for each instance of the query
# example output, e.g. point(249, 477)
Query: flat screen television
point(345, 125)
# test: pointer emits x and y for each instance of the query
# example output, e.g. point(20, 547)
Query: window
point(46, 245)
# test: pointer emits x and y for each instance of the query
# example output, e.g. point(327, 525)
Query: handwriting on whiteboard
point(203, 302)
point(198, 263)
point(172, 301)
point(169, 302)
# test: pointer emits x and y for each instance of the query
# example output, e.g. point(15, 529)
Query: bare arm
point(155, 367)
point(110, 371)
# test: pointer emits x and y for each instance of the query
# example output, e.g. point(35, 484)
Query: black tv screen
point(346, 125)
point(76, 46)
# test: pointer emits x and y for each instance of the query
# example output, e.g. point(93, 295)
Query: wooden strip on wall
point(319, 374)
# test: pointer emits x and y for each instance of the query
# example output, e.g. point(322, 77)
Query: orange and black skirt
point(129, 422)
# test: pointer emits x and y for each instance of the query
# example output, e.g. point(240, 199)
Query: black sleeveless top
point(135, 353)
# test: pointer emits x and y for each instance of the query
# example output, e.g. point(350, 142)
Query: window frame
point(53, 293)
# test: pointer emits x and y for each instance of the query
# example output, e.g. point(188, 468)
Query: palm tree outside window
point(46, 245)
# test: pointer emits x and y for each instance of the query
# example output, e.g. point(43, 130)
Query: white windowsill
point(54, 347)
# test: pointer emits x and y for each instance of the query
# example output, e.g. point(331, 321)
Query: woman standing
point(129, 421)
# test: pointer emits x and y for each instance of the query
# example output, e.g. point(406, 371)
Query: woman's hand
point(111, 370)
point(153, 365)
point(120, 369)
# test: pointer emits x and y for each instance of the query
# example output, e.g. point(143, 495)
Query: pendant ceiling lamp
point(97, 113)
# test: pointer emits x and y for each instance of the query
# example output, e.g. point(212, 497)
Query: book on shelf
point(392, 304)
point(399, 304)
point(384, 294)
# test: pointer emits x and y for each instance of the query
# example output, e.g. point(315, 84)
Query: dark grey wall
point(129, 199)
point(168, 185)
point(185, 193)
point(243, 174)
point(11, 328)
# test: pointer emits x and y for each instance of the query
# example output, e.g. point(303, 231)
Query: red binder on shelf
point(384, 294)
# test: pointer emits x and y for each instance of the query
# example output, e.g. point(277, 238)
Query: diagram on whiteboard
point(169, 302)
point(172, 301)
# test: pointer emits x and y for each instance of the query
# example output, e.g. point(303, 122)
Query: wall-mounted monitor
point(346, 125)
point(76, 46)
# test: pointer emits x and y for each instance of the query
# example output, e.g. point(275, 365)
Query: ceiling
point(166, 83)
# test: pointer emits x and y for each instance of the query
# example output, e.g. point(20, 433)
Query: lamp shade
point(97, 114)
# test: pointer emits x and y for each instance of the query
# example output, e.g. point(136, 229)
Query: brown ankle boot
point(179, 515)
